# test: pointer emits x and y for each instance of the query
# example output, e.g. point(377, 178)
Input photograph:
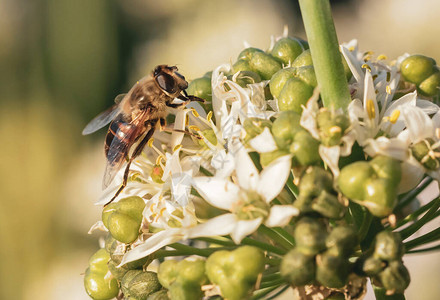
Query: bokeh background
point(63, 61)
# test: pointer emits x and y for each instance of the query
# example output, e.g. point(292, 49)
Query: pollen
point(159, 159)
point(150, 142)
point(382, 57)
point(388, 76)
point(194, 127)
point(394, 116)
point(195, 113)
point(351, 49)
point(366, 66)
point(388, 90)
point(177, 147)
point(209, 116)
point(335, 129)
point(370, 109)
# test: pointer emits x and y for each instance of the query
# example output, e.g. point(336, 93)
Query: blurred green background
point(63, 61)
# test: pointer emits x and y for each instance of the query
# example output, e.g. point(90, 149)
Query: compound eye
point(166, 82)
point(157, 71)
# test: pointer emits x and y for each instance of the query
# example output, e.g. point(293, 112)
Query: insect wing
point(102, 119)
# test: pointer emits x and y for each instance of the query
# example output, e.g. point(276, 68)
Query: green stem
point(287, 236)
point(262, 292)
point(275, 282)
point(188, 250)
point(275, 236)
point(217, 241)
point(414, 215)
point(365, 226)
point(411, 195)
point(429, 237)
point(271, 277)
point(291, 186)
point(424, 250)
point(263, 246)
point(407, 232)
point(324, 47)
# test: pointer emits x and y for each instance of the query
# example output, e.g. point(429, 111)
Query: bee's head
point(169, 80)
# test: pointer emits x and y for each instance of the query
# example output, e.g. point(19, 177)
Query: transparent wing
point(102, 119)
point(119, 98)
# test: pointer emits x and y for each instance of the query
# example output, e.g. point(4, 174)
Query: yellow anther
point(367, 58)
point(195, 113)
point(150, 142)
point(382, 57)
point(370, 109)
point(186, 120)
point(162, 211)
point(209, 116)
point(388, 89)
point(177, 147)
point(194, 127)
point(159, 159)
point(366, 66)
point(368, 53)
point(335, 129)
point(388, 76)
point(394, 116)
point(351, 49)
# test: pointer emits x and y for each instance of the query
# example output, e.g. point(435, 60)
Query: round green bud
point(351, 180)
point(285, 127)
point(332, 271)
point(287, 50)
point(185, 291)
point(388, 246)
point(98, 261)
point(328, 206)
point(118, 273)
point(421, 151)
point(431, 85)
point(159, 295)
point(395, 277)
point(387, 168)
point(254, 127)
point(314, 180)
point(307, 75)
point(298, 268)
point(331, 126)
point(304, 59)
point(100, 287)
point(167, 273)
point(341, 241)
point(264, 64)
point(247, 53)
point(372, 266)
point(294, 94)
point(235, 272)
point(417, 68)
point(305, 149)
point(279, 79)
point(380, 197)
point(139, 284)
point(268, 157)
point(200, 87)
point(192, 271)
point(241, 65)
point(310, 235)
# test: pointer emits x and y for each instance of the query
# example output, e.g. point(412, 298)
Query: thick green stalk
point(324, 47)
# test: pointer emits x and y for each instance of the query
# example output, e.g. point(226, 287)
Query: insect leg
point(136, 153)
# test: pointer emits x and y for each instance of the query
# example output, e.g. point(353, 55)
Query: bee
point(135, 116)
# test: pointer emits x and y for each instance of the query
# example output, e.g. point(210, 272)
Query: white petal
point(427, 106)
point(244, 228)
point(418, 123)
point(224, 164)
point(393, 147)
point(181, 188)
point(353, 64)
point(179, 124)
point(153, 244)
point(247, 173)
point(172, 165)
point(274, 177)
point(221, 225)
point(218, 192)
point(308, 116)
point(280, 215)
point(370, 94)
point(97, 226)
point(264, 142)
point(191, 164)
point(412, 174)
point(330, 155)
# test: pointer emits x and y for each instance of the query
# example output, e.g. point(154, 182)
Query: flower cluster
point(272, 190)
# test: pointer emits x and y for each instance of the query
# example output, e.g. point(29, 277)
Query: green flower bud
point(118, 273)
point(332, 126)
point(139, 284)
point(294, 94)
point(310, 235)
point(305, 149)
point(395, 277)
point(123, 218)
point(98, 285)
point(200, 87)
point(417, 68)
point(159, 295)
point(307, 75)
point(341, 241)
point(264, 64)
point(251, 206)
point(328, 206)
point(185, 291)
point(332, 271)
point(298, 268)
point(304, 59)
point(254, 127)
point(285, 127)
point(351, 180)
point(167, 273)
point(431, 85)
point(279, 79)
point(116, 255)
point(422, 152)
point(287, 50)
point(268, 157)
point(387, 168)
point(314, 181)
point(372, 266)
point(241, 65)
point(235, 272)
point(248, 53)
point(388, 246)
point(380, 197)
